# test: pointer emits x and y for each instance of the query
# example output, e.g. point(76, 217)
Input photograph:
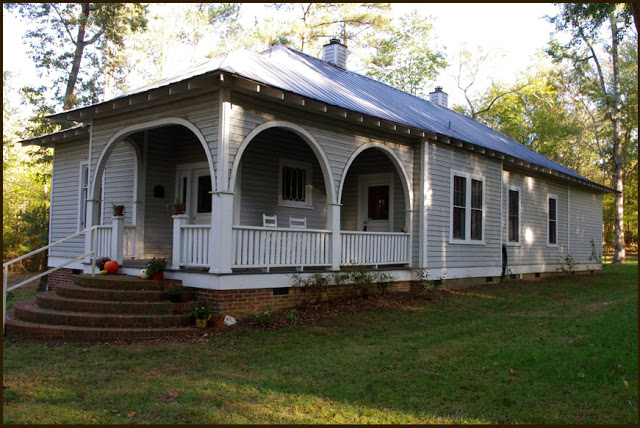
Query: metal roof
point(289, 70)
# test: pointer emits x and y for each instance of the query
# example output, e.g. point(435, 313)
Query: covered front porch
point(279, 214)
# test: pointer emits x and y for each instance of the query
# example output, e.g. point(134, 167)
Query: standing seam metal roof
point(289, 70)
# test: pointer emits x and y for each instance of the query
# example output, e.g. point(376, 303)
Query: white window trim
point(467, 219)
point(308, 186)
point(517, 243)
point(82, 209)
point(552, 196)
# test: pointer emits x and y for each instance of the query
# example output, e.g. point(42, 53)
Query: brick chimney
point(335, 53)
point(439, 97)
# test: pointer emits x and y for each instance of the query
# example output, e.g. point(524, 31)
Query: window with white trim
point(295, 183)
point(513, 215)
point(552, 220)
point(83, 195)
point(467, 207)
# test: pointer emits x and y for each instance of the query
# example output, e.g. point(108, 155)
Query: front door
point(375, 208)
point(193, 188)
point(200, 206)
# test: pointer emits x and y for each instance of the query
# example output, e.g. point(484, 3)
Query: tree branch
point(64, 23)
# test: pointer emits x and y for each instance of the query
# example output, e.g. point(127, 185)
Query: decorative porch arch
point(395, 160)
point(302, 133)
point(125, 132)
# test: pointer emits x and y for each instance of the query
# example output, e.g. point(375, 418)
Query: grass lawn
point(559, 352)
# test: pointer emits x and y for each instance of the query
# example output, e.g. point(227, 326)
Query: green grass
point(552, 352)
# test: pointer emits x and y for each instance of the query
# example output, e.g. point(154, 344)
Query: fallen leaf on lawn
point(594, 358)
point(132, 414)
point(174, 393)
point(626, 385)
point(512, 371)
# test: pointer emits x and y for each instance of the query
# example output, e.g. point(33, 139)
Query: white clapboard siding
point(118, 183)
point(374, 248)
point(440, 252)
point(585, 223)
point(260, 185)
point(64, 197)
point(260, 247)
point(533, 220)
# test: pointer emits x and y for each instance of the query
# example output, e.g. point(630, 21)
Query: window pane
point(204, 195)
point(514, 202)
point(552, 209)
point(476, 194)
point(378, 203)
point(294, 184)
point(459, 223)
point(476, 225)
point(459, 191)
point(552, 232)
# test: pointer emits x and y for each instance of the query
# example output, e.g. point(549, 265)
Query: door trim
point(364, 182)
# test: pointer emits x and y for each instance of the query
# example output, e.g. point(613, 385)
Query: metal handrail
point(6, 265)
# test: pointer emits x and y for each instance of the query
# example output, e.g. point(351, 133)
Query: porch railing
point(103, 237)
point(194, 245)
point(267, 247)
point(5, 266)
point(374, 248)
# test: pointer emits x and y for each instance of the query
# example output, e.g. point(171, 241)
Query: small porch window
point(83, 195)
point(295, 184)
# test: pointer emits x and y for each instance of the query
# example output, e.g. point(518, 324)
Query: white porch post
point(178, 220)
point(336, 239)
point(92, 216)
point(117, 238)
point(221, 236)
point(408, 215)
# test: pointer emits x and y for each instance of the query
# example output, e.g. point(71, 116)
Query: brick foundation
point(240, 303)
point(60, 277)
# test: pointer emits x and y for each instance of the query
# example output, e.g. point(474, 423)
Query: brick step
point(27, 311)
point(18, 328)
point(59, 303)
point(74, 291)
point(123, 282)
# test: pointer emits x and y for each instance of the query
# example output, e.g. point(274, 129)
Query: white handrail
point(5, 266)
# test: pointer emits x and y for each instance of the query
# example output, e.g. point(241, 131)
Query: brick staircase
point(101, 309)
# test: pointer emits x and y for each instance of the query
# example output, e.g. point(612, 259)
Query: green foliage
point(557, 353)
point(365, 281)
point(427, 285)
point(265, 317)
point(156, 265)
point(568, 265)
point(201, 311)
point(175, 293)
point(404, 57)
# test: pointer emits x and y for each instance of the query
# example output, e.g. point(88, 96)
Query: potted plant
point(178, 207)
point(118, 210)
point(218, 318)
point(202, 315)
point(101, 261)
point(156, 268)
point(175, 294)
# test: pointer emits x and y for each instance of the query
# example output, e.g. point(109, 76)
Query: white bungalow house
point(291, 163)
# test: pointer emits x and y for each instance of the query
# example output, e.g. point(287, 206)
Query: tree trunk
point(618, 174)
point(69, 101)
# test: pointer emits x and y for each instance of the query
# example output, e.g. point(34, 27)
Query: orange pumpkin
point(111, 266)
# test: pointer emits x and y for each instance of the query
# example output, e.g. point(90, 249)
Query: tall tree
point(405, 57)
point(584, 22)
point(62, 34)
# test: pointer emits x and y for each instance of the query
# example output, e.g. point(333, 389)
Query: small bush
point(175, 293)
point(264, 318)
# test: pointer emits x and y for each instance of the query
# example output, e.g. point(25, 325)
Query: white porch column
point(92, 216)
point(178, 220)
point(221, 236)
point(117, 238)
point(333, 213)
point(408, 216)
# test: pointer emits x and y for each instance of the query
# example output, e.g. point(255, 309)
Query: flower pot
point(218, 320)
point(201, 322)
point(118, 210)
point(178, 209)
point(158, 276)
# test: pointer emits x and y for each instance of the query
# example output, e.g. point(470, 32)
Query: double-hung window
point(513, 215)
point(295, 184)
point(467, 208)
point(552, 220)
